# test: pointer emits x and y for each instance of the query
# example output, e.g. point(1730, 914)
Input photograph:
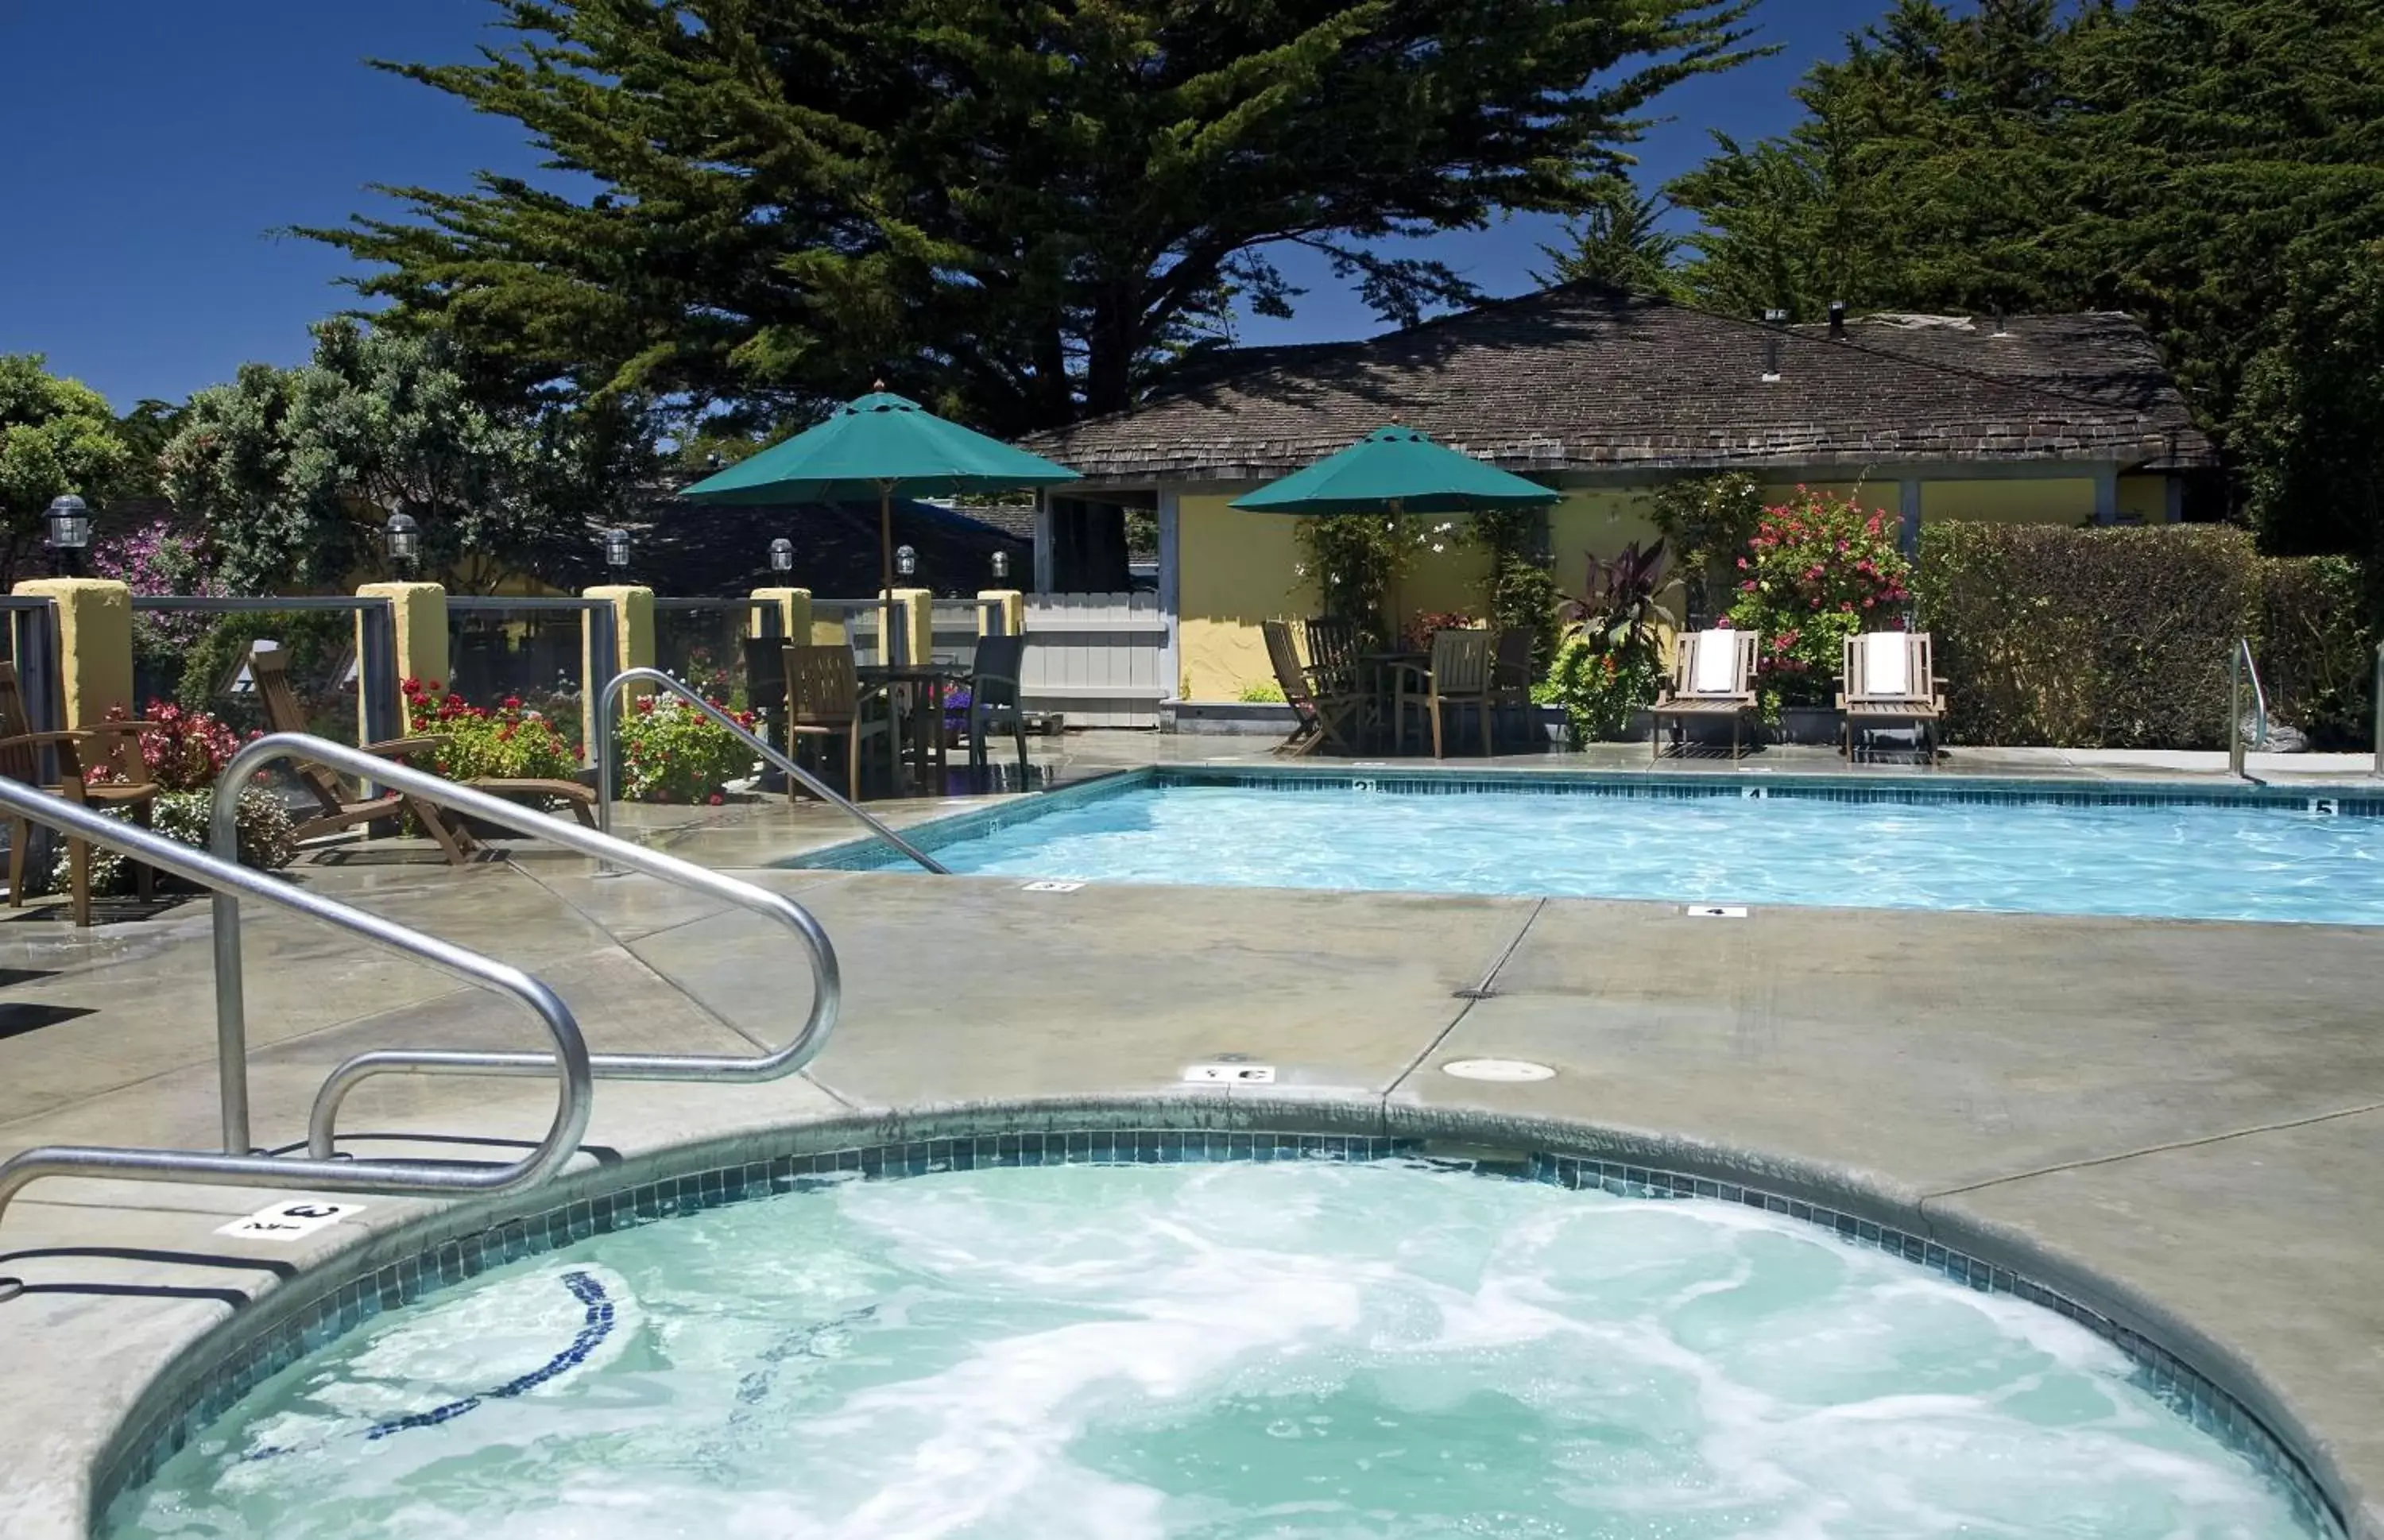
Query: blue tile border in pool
point(1403, 781)
point(167, 1429)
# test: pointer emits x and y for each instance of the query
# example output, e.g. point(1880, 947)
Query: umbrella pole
point(886, 568)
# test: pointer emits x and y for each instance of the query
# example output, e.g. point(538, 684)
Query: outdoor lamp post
point(906, 561)
point(69, 530)
point(617, 548)
point(782, 555)
point(403, 537)
point(1000, 567)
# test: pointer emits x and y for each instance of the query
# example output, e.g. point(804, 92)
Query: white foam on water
point(1231, 1352)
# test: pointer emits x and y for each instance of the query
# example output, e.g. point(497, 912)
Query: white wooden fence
point(1098, 659)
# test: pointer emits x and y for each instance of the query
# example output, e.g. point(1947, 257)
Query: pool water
point(1225, 1352)
point(2187, 861)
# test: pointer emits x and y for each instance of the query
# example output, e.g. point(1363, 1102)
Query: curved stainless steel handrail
point(817, 787)
point(827, 992)
point(2239, 665)
point(237, 1166)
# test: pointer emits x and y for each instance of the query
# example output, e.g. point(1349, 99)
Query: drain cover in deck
point(1496, 1069)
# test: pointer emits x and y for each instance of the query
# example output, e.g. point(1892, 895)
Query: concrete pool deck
point(2175, 1122)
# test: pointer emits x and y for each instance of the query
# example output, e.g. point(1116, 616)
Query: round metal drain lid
point(1496, 1069)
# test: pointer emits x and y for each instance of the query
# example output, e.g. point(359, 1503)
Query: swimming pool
point(2148, 852)
point(1318, 1348)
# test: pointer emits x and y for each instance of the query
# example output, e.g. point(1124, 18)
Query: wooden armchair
point(825, 699)
point(98, 767)
point(1459, 676)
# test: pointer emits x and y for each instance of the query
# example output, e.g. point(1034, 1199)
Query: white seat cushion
point(1887, 666)
point(1713, 663)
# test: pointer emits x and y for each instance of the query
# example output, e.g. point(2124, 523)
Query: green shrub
point(1263, 693)
point(1520, 594)
point(1600, 690)
point(1611, 660)
point(507, 741)
point(264, 838)
point(2094, 638)
point(1706, 521)
point(2317, 648)
point(1817, 570)
point(671, 752)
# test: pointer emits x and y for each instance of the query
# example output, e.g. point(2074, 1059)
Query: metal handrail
point(827, 987)
point(2239, 667)
point(240, 1167)
point(768, 751)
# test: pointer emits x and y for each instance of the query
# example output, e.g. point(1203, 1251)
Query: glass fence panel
point(194, 654)
point(529, 654)
point(703, 642)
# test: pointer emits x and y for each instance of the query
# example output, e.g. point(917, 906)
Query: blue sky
point(154, 146)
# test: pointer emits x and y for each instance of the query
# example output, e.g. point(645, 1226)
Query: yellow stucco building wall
point(1236, 569)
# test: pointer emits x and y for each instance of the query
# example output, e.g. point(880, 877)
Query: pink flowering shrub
point(185, 750)
point(1818, 571)
point(156, 559)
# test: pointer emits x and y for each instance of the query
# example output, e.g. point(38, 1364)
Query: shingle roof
point(1581, 377)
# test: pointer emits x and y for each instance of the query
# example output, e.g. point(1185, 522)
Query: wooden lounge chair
point(1458, 676)
point(1887, 682)
point(114, 748)
point(334, 809)
point(997, 699)
point(283, 713)
point(1713, 674)
point(824, 699)
point(1326, 714)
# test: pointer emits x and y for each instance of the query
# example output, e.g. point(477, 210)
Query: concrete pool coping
point(2171, 1121)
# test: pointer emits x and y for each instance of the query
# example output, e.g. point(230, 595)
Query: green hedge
point(2119, 638)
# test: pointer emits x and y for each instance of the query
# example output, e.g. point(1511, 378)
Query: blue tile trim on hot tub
point(1405, 781)
point(169, 1428)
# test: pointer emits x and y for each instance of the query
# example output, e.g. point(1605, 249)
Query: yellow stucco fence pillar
point(1014, 610)
point(633, 638)
point(915, 619)
point(794, 607)
point(421, 611)
point(94, 644)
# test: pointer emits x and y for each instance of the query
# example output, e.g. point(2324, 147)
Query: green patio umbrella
point(1395, 470)
point(877, 446)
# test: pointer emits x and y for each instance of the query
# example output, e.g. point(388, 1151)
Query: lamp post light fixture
point(782, 555)
point(403, 537)
point(1000, 567)
point(69, 529)
point(617, 548)
point(906, 561)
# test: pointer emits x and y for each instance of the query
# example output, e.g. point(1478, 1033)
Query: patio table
point(917, 697)
point(1378, 676)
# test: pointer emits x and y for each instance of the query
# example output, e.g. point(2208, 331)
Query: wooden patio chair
point(334, 809)
point(1325, 715)
point(1458, 676)
point(1886, 681)
point(1337, 669)
point(97, 767)
point(997, 699)
point(1713, 674)
point(825, 699)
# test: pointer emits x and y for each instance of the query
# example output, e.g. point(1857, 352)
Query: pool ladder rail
point(607, 759)
point(2240, 668)
point(569, 1061)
